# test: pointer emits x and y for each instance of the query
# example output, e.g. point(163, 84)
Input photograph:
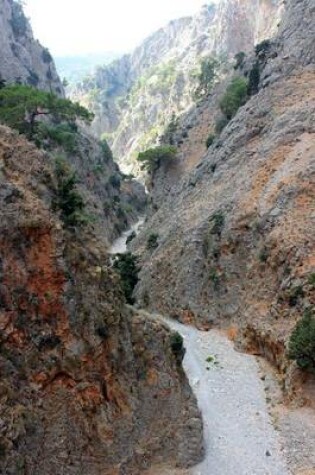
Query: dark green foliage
point(2, 82)
point(152, 158)
point(207, 76)
point(253, 80)
point(177, 346)
point(302, 342)
point(115, 181)
point(171, 129)
point(311, 279)
point(46, 56)
point(64, 135)
point(108, 155)
point(239, 60)
point(220, 123)
point(218, 221)
point(152, 242)
point(263, 48)
point(210, 140)
point(21, 107)
point(127, 267)
point(48, 342)
point(234, 97)
point(295, 294)
point(68, 200)
point(131, 237)
point(102, 332)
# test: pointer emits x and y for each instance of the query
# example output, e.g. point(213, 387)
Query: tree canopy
point(21, 106)
point(235, 96)
point(152, 158)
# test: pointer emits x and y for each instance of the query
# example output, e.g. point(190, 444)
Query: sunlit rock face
point(135, 97)
point(22, 58)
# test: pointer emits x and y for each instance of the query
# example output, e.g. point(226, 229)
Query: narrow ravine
point(239, 436)
point(119, 246)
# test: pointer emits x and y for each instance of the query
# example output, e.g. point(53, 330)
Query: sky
point(78, 27)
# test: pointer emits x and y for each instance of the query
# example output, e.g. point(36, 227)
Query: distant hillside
point(75, 68)
point(135, 97)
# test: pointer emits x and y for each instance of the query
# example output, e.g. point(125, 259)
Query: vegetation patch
point(152, 158)
point(68, 200)
point(234, 97)
point(177, 346)
point(127, 267)
point(153, 241)
point(302, 342)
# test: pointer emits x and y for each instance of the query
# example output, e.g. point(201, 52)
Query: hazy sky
point(69, 27)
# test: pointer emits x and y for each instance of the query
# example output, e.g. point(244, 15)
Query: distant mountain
point(22, 58)
point(135, 97)
point(75, 68)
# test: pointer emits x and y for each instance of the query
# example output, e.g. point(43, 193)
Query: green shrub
point(311, 279)
point(207, 76)
point(152, 242)
point(218, 220)
point(152, 158)
point(253, 80)
point(177, 346)
point(115, 181)
point(68, 199)
point(302, 342)
point(263, 48)
point(22, 106)
point(63, 134)
point(234, 97)
point(127, 267)
point(210, 140)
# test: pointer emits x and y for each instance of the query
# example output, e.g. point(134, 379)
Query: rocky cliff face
point(82, 378)
point(22, 58)
point(135, 97)
point(236, 235)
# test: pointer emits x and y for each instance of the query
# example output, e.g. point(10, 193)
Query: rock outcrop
point(135, 97)
point(236, 235)
point(82, 376)
point(22, 58)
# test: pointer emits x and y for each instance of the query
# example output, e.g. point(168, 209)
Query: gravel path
point(239, 436)
point(119, 246)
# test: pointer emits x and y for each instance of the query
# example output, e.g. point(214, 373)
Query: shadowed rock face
point(86, 386)
point(22, 58)
point(134, 97)
point(236, 235)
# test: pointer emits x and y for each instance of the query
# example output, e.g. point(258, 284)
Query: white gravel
point(119, 246)
point(239, 436)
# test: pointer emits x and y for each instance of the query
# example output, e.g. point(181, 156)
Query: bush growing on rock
point(177, 346)
point(253, 80)
point(302, 342)
point(127, 267)
point(207, 76)
point(210, 140)
point(152, 242)
point(21, 107)
point(68, 199)
point(152, 158)
point(234, 97)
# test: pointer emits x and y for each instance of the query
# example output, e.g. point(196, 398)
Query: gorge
point(165, 329)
